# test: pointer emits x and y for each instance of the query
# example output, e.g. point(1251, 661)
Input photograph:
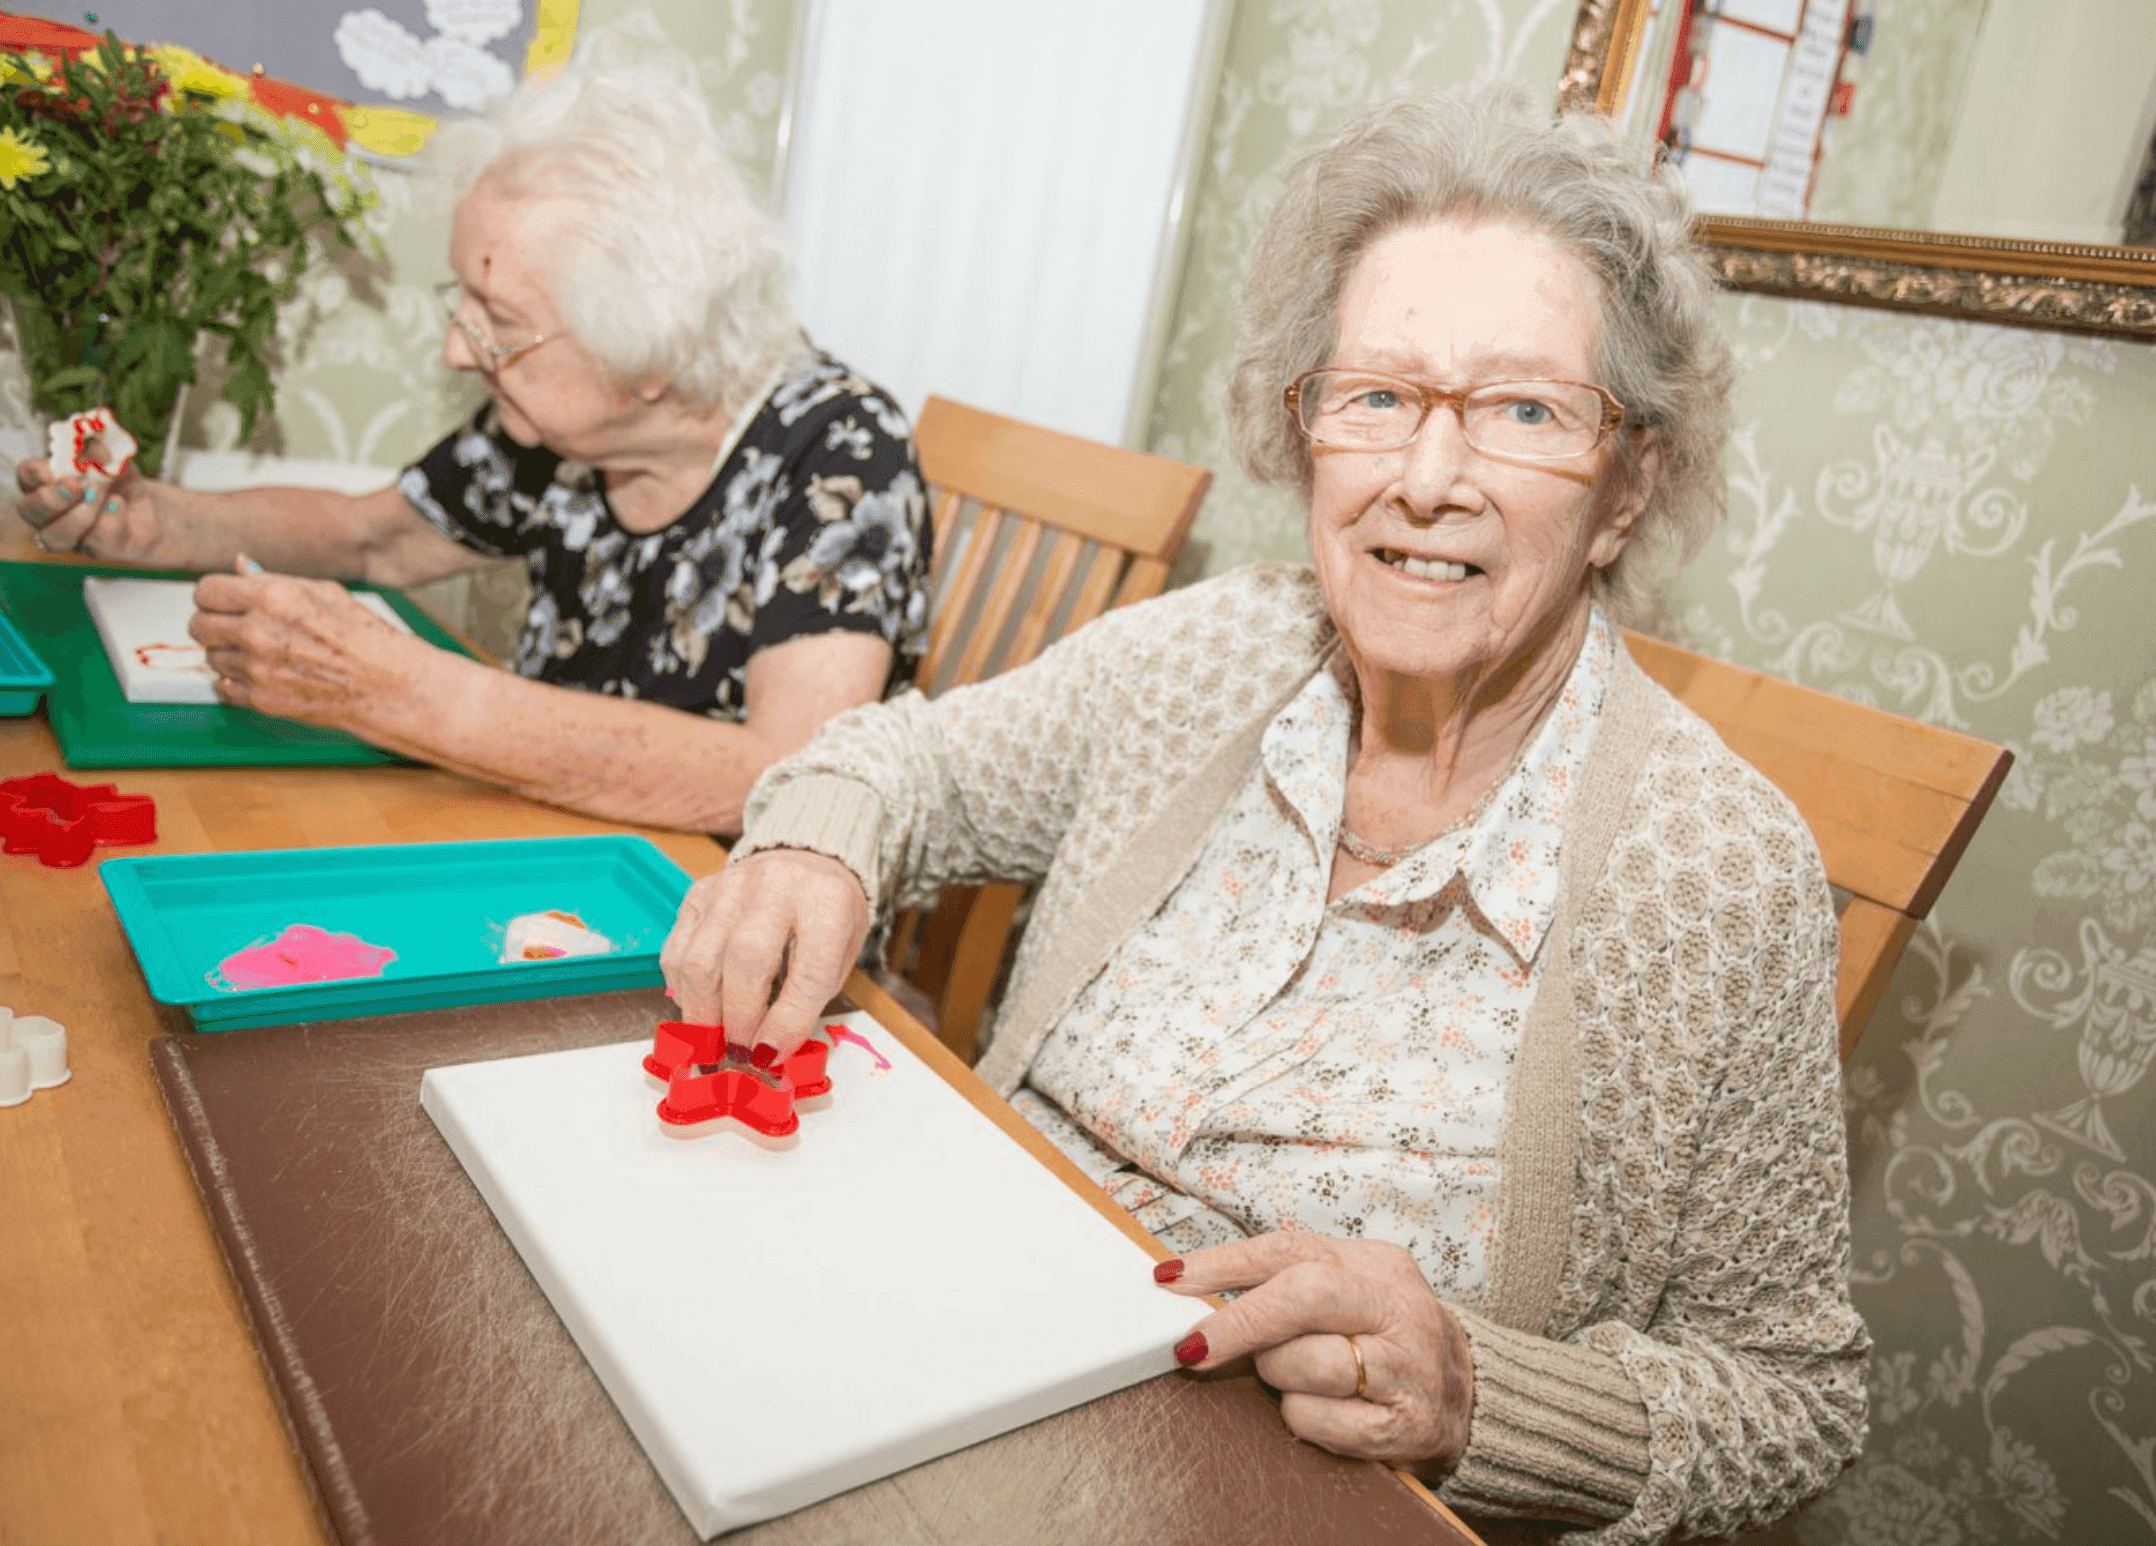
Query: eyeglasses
point(493, 353)
point(1536, 421)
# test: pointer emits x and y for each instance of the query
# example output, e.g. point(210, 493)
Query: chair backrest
point(1037, 533)
point(1892, 802)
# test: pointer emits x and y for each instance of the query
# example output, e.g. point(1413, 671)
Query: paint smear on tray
point(302, 953)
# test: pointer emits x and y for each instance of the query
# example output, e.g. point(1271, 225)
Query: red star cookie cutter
point(60, 822)
point(702, 1085)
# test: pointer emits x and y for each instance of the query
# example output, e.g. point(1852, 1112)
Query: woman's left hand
point(299, 649)
point(1303, 1297)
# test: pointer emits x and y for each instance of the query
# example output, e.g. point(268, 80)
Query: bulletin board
point(1753, 92)
point(377, 73)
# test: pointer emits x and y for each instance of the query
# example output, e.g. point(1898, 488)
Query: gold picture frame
point(2090, 289)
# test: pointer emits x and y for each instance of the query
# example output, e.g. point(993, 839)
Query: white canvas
point(779, 1321)
point(144, 626)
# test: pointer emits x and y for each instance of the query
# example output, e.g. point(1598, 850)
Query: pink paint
point(302, 953)
point(839, 1033)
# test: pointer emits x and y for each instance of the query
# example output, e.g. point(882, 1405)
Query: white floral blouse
point(1256, 1058)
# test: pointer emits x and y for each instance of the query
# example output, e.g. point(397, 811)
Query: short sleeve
point(475, 483)
point(847, 543)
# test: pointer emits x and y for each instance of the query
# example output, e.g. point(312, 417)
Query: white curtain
point(985, 195)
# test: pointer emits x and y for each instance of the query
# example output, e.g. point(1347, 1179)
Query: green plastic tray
point(23, 677)
point(442, 907)
point(98, 728)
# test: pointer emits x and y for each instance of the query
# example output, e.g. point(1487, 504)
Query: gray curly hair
point(669, 269)
point(1484, 155)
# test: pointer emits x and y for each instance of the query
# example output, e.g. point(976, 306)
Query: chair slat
point(1873, 938)
point(956, 599)
point(943, 514)
point(976, 961)
point(1142, 582)
point(1048, 597)
point(996, 609)
point(1097, 589)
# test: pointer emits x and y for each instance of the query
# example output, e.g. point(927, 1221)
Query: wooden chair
point(1892, 802)
point(1037, 533)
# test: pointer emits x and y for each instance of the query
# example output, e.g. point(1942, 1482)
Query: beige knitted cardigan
point(1666, 1341)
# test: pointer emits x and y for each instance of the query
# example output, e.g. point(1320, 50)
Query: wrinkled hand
point(1304, 1294)
point(121, 520)
point(763, 945)
point(299, 649)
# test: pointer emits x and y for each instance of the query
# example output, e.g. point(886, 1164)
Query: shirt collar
point(1507, 858)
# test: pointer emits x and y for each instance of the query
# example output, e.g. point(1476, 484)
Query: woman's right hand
point(762, 946)
point(120, 520)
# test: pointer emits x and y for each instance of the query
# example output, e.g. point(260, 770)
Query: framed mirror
point(1983, 160)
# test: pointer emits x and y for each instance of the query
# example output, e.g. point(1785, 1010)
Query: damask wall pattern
point(1953, 521)
point(1956, 522)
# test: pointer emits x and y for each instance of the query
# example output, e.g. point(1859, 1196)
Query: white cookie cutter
point(90, 444)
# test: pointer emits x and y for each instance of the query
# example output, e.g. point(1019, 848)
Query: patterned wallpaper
point(1953, 521)
point(1957, 523)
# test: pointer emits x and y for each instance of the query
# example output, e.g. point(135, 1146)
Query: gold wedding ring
point(1362, 1378)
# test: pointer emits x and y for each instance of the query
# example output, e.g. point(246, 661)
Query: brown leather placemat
point(436, 1398)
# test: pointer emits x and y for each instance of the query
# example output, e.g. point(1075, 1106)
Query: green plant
point(143, 206)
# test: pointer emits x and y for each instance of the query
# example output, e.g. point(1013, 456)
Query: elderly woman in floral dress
point(1403, 957)
point(725, 529)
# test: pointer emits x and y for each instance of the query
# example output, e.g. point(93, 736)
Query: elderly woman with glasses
point(724, 529)
point(1403, 957)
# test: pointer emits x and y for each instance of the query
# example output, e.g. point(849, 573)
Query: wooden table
point(133, 1404)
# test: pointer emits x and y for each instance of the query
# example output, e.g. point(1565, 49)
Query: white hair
point(667, 268)
point(1489, 154)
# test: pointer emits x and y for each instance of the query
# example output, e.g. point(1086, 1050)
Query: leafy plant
point(144, 204)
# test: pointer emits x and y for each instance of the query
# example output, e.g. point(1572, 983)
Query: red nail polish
point(1191, 1349)
point(1169, 1270)
point(763, 1054)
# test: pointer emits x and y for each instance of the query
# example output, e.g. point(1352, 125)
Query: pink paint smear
point(839, 1033)
point(302, 953)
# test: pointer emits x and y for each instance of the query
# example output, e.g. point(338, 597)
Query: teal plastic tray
point(98, 728)
point(23, 677)
point(442, 907)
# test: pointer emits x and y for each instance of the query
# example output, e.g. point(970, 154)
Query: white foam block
point(144, 627)
point(781, 1321)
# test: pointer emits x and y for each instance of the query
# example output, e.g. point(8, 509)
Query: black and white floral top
point(815, 522)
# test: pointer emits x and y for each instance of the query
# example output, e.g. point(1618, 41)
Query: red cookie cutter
point(60, 822)
point(702, 1087)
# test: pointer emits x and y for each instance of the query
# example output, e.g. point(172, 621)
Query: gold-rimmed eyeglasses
point(492, 352)
point(1536, 421)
